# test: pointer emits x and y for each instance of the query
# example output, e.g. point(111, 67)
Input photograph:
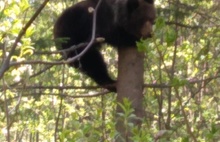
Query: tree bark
point(130, 86)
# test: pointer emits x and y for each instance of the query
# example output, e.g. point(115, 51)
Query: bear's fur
point(120, 22)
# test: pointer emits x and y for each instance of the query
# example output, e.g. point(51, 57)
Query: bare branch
point(162, 85)
point(38, 62)
point(34, 75)
point(93, 35)
point(64, 95)
point(183, 25)
point(72, 48)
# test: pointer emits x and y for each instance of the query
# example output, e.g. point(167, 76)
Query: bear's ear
point(150, 1)
point(132, 5)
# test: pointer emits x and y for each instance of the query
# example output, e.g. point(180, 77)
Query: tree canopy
point(42, 99)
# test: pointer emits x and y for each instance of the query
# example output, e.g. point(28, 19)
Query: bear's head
point(135, 16)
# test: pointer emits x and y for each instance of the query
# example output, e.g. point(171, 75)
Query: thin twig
point(5, 64)
point(93, 35)
point(74, 47)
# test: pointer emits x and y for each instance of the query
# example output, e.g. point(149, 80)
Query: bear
point(120, 22)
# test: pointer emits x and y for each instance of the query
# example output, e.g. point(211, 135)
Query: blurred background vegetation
point(42, 99)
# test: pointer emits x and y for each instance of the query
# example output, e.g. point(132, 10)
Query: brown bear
point(120, 22)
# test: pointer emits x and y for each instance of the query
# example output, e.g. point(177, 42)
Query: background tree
point(43, 99)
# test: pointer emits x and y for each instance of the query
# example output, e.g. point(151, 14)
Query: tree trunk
point(130, 86)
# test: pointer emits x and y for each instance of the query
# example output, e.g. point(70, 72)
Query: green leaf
point(24, 5)
point(170, 36)
point(176, 82)
point(160, 23)
point(141, 45)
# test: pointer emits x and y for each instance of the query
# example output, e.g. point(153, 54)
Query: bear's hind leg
point(93, 65)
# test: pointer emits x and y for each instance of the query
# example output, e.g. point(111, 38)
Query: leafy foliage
point(42, 99)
